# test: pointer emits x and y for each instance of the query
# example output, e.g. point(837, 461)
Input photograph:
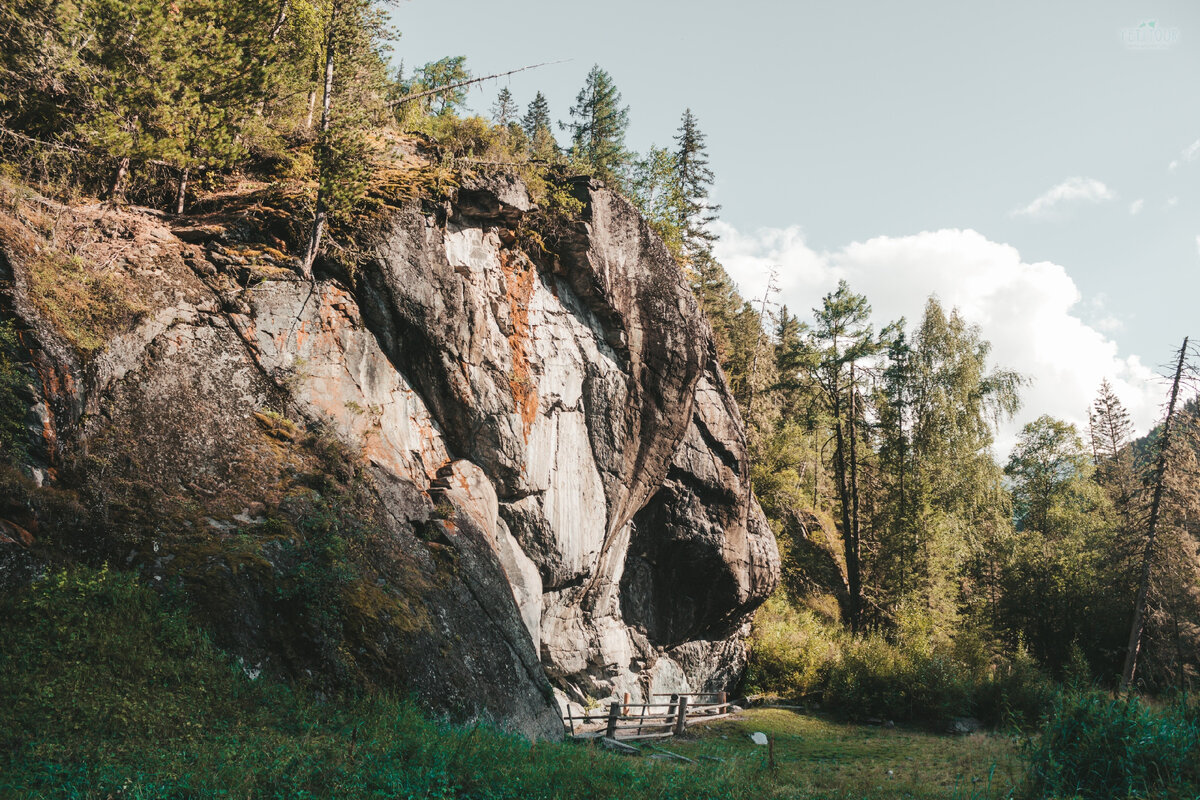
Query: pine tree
point(842, 339)
point(537, 126)
point(1109, 425)
point(694, 212)
point(352, 90)
point(504, 110)
point(1111, 431)
point(598, 125)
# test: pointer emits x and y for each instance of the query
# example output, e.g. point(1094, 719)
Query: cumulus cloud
point(1071, 190)
point(1031, 313)
point(1189, 154)
point(1135, 207)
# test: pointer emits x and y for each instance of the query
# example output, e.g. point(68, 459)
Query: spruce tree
point(694, 213)
point(504, 110)
point(537, 127)
point(598, 125)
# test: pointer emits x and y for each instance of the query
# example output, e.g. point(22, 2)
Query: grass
point(88, 304)
point(111, 691)
point(817, 757)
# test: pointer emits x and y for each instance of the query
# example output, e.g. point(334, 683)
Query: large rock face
point(554, 469)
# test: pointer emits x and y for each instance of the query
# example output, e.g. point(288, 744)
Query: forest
point(923, 577)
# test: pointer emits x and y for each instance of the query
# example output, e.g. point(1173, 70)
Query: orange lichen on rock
point(519, 277)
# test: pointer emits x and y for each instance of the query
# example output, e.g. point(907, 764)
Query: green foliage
point(538, 129)
point(908, 678)
point(1094, 748)
point(598, 125)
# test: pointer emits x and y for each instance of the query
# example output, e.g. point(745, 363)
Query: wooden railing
point(648, 720)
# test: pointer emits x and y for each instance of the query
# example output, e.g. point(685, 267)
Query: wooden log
point(610, 743)
point(614, 711)
point(669, 754)
point(637, 736)
point(681, 720)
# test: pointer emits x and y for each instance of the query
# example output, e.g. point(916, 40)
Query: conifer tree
point(537, 126)
point(842, 339)
point(504, 110)
point(598, 125)
point(694, 212)
point(351, 90)
point(1111, 431)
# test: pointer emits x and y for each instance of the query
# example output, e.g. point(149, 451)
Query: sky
point(1033, 164)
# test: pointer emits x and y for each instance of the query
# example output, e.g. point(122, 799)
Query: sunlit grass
point(822, 758)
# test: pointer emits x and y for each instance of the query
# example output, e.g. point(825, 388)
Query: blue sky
point(1015, 159)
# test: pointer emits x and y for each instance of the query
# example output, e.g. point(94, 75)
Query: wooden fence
point(647, 720)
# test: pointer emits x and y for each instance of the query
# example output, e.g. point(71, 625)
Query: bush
point(909, 678)
point(1094, 748)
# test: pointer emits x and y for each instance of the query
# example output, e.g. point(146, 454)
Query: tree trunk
point(280, 18)
point(1139, 607)
point(117, 190)
point(322, 212)
point(183, 184)
point(839, 468)
point(854, 540)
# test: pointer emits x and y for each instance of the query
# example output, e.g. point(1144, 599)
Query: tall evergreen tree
point(598, 125)
point(842, 339)
point(352, 89)
point(694, 212)
point(537, 126)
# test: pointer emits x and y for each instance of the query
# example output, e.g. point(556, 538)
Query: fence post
point(681, 720)
point(625, 705)
point(614, 711)
point(671, 708)
point(722, 702)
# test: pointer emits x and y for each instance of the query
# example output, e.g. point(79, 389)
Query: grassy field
point(109, 692)
point(817, 757)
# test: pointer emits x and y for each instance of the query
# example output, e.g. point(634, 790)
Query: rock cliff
point(494, 462)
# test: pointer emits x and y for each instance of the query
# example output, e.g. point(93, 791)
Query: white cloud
point(1189, 154)
point(1071, 190)
point(1031, 313)
point(1172, 201)
point(1136, 206)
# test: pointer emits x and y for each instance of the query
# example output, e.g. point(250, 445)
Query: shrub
point(909, 677)
point(1095, 748)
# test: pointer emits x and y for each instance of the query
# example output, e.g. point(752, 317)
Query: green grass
point(110, 690)
point(816, 757)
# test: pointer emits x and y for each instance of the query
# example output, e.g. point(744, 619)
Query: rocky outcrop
point(540, 475)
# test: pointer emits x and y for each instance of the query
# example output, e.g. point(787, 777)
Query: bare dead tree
point(1139, 607)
